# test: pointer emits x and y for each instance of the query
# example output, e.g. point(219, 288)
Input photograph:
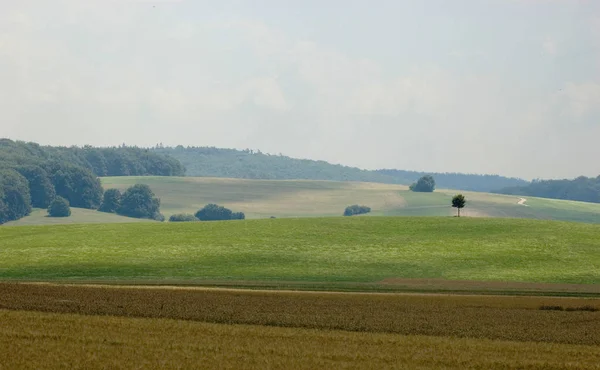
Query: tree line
point(110, 161)
point(584, 189)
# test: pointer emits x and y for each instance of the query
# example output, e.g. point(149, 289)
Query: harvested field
point(32, 340)
point(484, 317)
point(489, 286)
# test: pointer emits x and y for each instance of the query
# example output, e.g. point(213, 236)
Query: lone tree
point(59, 208)
point(425, 184)
point(458, 202)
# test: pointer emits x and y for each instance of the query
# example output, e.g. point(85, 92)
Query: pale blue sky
point(485, 86)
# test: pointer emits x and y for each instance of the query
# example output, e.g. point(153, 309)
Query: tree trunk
point(458, 212)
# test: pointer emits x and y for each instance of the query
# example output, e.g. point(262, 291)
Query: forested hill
point(585, 189)
point(33, 176)
point(248, 164)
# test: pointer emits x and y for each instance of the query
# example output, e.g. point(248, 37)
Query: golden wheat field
point(33, 340)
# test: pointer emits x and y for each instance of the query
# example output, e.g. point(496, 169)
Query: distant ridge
point(250, 164)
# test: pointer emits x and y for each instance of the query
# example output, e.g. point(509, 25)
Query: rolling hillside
point(310, 198)
point(304, 198)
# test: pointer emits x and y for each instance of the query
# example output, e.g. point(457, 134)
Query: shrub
point(356, 210)
point(59, 208)
point(182, 217)
point(214, 212)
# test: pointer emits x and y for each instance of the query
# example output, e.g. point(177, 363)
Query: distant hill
point(314, 198)
point(248, 164)
point(585, 189)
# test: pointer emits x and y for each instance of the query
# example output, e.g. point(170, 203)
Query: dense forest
point(249, 164)
point(585, 189)
point(33, 176)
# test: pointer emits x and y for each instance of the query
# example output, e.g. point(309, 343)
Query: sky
point(508, 87)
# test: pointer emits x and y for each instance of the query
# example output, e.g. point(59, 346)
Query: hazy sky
point(486, 86)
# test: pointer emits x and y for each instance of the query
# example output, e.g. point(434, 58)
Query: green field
point(330, 250)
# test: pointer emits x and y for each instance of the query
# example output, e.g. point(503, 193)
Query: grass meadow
point(312, 250)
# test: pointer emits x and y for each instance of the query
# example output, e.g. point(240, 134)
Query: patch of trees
point(25, 186)
point(137, 201)
point(76, 184)
point(356, 210)
point(425, 184)
point(584, 189)
point(214, 212)
point(250, 164)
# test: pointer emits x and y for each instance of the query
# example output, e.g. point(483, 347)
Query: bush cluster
point(356, 210)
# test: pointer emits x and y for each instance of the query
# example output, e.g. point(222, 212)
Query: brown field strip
point(34, 340)
point(492, 317)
